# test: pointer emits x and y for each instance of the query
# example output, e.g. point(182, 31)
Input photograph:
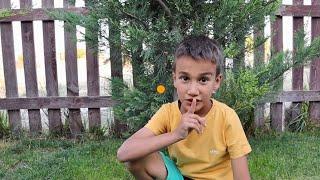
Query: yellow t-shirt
point(207, 155)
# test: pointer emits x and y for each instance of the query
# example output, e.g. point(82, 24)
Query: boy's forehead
point(199, 65)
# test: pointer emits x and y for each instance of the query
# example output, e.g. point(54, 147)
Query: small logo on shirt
point(214, 152)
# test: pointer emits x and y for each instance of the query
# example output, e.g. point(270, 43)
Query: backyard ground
point(285, 156)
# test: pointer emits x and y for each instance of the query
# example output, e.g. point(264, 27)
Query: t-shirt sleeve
point(159, 122)
point(236, 139)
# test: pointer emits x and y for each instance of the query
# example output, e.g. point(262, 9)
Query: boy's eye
point(204, 79)
point(184, 78)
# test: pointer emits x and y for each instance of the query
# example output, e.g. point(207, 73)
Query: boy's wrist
point(177, 136)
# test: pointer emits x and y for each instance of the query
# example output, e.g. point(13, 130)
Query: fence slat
point(76, 126)
point(258, 59)
point(259, 50)
point(9, 66)
point(93, 84)
point(72, 102)
point(315, 70)
point(38, 14)
point(276, 109)
point(297, 73)
point(30, 69)
point(54, 115)
point(116, 64)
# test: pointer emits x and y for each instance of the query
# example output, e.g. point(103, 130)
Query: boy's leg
point(149, 167)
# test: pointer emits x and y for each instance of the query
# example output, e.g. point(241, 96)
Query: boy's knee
point(151, 165)
point(134, 166)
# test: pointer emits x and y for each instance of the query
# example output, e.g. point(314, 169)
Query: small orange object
point(161, 89)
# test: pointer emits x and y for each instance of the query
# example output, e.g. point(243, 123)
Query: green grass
point(60, 159)
point(286, 156)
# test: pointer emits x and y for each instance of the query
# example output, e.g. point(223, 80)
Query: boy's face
point(195, 79)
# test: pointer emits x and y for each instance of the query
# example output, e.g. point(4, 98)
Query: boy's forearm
point(135, 148)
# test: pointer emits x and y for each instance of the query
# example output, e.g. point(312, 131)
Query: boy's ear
point(218, 82)
point(174, 79)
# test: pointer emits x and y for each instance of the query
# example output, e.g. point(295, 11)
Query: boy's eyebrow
point(206, 73)
point(182, 72)
point(202, 74)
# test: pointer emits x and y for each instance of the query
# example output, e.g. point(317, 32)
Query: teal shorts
point(173, 171)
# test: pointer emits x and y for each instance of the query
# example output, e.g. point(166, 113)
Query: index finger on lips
point(193, 106)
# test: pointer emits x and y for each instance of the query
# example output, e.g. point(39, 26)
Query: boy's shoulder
point(170, 106)
point(221, 106)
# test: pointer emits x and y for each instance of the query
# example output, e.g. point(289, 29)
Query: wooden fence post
point(30, 69)
point(93, 83)
point(116, 64)
point(297, 73)
point(9, 66)
point(54, 115)
point(276, 109)
point(258, 59)
point(315, 70)
point(70, 40)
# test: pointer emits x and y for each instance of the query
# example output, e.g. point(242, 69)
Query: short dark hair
point(200, 47)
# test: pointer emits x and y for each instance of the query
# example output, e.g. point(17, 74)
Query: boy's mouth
point(190, 100)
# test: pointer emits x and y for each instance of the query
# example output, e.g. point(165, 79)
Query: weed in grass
point(4, 125)
point(301, 122)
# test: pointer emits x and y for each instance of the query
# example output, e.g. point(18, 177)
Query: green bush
point(241, 91)
point(134, 107)
point(150, 30)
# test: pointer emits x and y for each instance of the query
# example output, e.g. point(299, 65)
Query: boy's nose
point(193, 89)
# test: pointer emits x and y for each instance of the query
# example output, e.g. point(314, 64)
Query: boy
point(204, 137)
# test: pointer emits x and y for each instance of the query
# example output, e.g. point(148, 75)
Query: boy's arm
point(144, 142)
point(240, 168)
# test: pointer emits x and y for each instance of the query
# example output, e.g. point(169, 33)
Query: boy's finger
point(201, 120)
point(193, 106)
point(194, 126)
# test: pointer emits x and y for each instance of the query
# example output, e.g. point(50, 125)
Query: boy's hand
point(189, 122)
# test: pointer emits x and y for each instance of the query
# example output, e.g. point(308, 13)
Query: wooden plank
point(277, 122)
point(258, 59)
point(259, 50)
point(70, 37)
point(315, 2)
point(93, 84)
point(54, 115)
point(292, 96)
point(297, 73)
point(30, 69)
point(116, 63)
point(38, 14)
point(72, 102)
point(315, 70)
point(9, 67)
point(259, 116)
point(297, 2)
point(299, 10)
point(276, 109)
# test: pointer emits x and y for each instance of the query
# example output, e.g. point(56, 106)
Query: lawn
point(286, 156)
